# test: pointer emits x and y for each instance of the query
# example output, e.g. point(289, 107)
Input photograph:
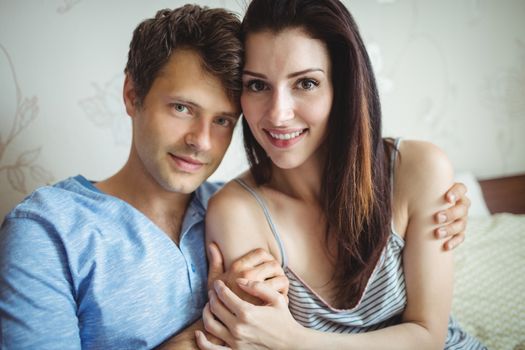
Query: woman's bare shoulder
point(236, 223)
point(234, 207)
point(233, 194)
point(417, 151)
point(423, 170)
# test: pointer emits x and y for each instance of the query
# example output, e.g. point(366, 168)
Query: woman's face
point(287, 94)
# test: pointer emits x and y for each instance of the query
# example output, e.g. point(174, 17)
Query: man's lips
point(187, 164)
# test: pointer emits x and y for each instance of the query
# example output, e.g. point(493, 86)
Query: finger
point(456, 228)
point(252, 259)
point(451, 229)
point(229, 299)
point(214, 326)
point(279, 284)
point(458, 190)
point(204, 344)
point(455, 241)
point(465, 200)
point(261, 291)
point(457, 212)
point(216, 263)
point(220, 311)
point(264, 271)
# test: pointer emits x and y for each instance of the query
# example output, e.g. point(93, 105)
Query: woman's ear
point(130, 96)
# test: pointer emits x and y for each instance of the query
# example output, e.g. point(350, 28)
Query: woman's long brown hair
point(356, 186)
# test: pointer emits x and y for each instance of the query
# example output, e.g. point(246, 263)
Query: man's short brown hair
point(212, 33)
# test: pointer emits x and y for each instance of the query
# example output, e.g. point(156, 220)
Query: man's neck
point(165, 209)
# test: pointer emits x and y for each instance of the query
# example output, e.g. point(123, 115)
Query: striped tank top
point(381, 304)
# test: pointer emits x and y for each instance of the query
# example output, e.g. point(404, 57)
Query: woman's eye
point(308, 84)
point(256, 85)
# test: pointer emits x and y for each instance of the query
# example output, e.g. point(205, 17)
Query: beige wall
point(451, 71)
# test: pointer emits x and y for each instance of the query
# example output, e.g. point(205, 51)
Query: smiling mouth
point(285, 136)
point(285, 139)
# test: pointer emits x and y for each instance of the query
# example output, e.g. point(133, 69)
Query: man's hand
point(215, 264)
point(453, 221)
point(257, 265)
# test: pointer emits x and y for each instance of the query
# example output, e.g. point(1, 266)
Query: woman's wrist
point(297, 338)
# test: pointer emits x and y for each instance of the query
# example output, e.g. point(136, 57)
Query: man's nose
point(198, 137)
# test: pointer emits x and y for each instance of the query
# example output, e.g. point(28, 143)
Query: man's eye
point(256, 85)
point(180, 108)
point(226, 122)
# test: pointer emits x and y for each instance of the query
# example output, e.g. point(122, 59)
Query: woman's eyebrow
point(291, 75)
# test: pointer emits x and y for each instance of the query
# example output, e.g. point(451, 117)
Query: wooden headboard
point(504, 194)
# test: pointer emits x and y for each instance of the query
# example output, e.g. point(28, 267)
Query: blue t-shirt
point(81, 269)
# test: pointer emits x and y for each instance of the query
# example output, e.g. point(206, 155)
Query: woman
point(346, 212)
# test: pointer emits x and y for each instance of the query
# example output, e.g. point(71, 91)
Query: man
point(121, 263)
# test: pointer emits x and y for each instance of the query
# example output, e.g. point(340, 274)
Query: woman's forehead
point(287, 48)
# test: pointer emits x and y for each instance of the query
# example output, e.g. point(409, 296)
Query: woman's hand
point(454, 219)
point(243, 325)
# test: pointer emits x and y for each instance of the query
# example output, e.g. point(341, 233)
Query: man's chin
point(186, 186)
point(184, 182)
point(182, 188)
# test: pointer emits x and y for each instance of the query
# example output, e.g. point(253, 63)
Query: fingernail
point(451, 197)
point(442, 217)
point(242, 281)
point(442, 232)
point(217, 285)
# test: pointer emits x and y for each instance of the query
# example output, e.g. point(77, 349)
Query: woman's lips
point(285, 138)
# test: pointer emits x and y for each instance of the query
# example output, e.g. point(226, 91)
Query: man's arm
point(257, 265)
point(185, 339)
point(37, 302)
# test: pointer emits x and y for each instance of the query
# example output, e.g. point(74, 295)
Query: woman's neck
point(303, 182)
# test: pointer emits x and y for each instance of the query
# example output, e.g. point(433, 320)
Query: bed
point(489, 291)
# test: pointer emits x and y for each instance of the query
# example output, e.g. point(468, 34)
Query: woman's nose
point(281, 107)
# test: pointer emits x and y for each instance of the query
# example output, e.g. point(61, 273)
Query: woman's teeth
point(288, 136)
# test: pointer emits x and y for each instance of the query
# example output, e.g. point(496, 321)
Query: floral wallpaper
point(67, 5)
point(451, 72)
point(105, 109)
point(19, 166)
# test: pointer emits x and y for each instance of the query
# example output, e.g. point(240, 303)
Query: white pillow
point(478, 207)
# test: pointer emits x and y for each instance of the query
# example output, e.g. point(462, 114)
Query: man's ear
point(130, 96)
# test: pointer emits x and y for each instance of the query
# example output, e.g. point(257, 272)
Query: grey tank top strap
point(393, 158)
point(264, 207)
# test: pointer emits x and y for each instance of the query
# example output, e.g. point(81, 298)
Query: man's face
point(184, 125)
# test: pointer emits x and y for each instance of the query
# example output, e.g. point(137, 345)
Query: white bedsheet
point(489, 291)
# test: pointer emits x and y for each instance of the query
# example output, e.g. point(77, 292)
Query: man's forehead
point(185, 77)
